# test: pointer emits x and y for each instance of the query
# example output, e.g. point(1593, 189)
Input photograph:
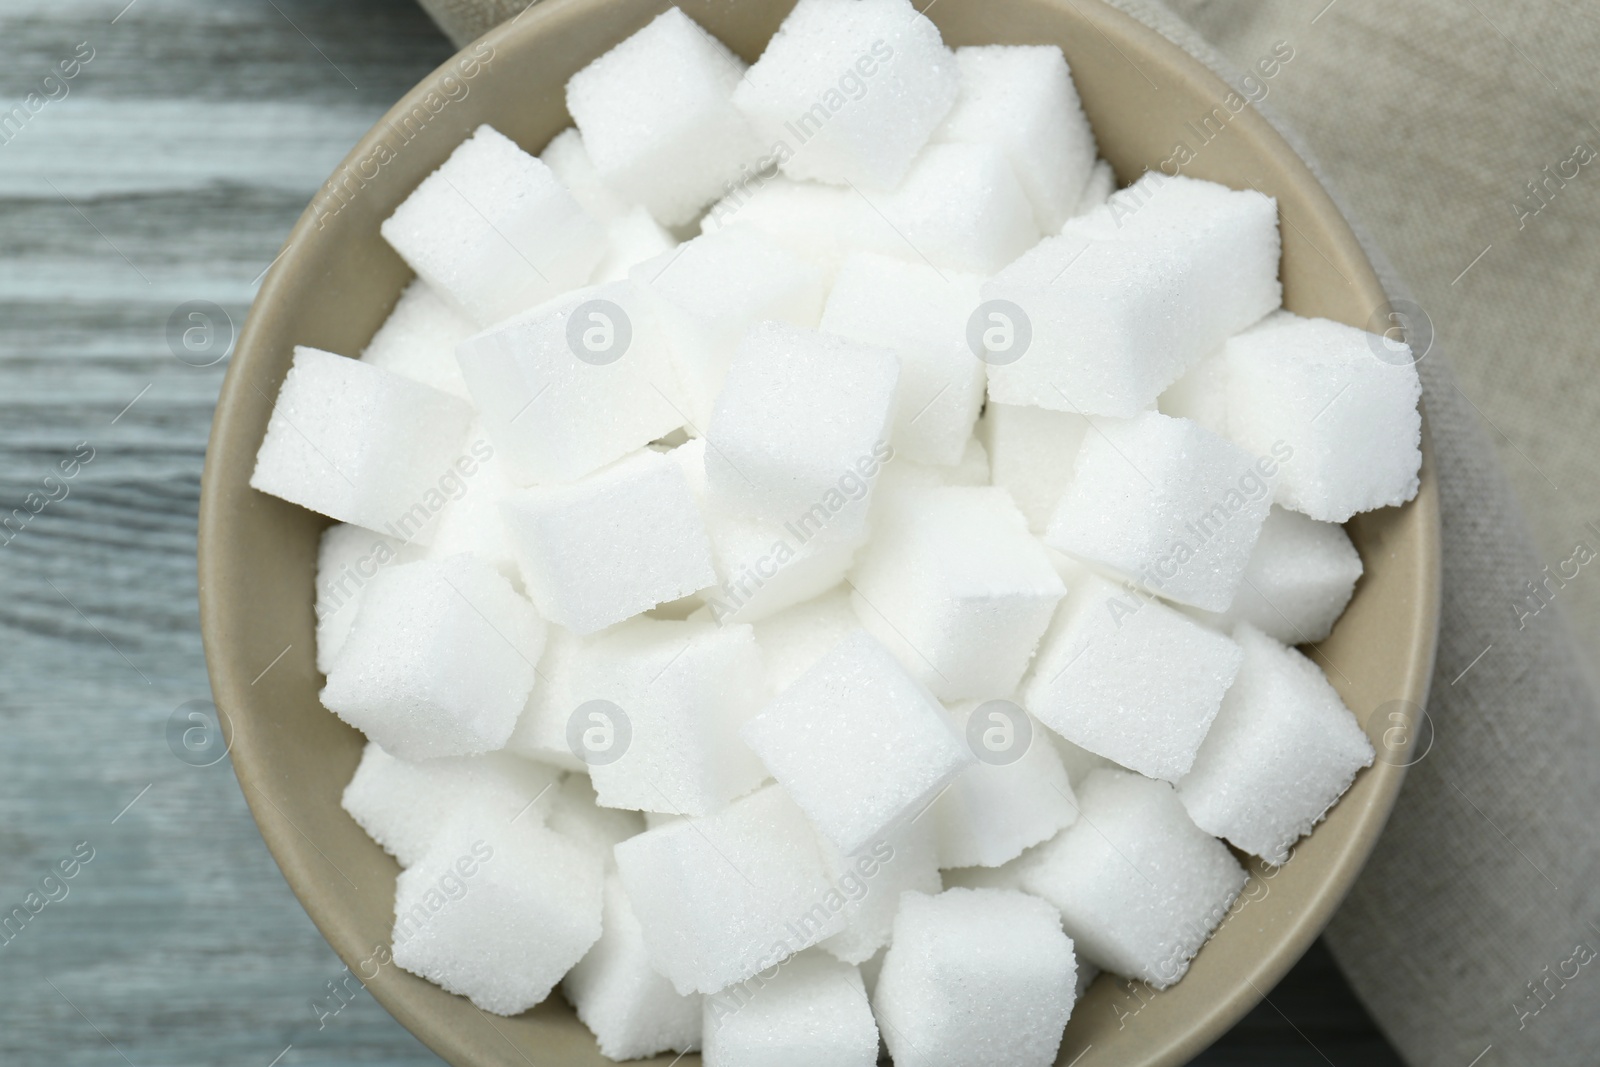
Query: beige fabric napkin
point(1473, 936)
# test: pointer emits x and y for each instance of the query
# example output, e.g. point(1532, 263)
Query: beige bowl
point(337, 280)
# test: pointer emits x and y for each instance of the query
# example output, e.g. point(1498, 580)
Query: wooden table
point(168, 170)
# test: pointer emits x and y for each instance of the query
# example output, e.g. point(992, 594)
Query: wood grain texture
point(170, 172)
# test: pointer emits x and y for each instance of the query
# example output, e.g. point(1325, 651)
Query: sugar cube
point(608, 547)
point(1006, 876)
point(498, 910)
point(975, 976)
point(708, 291)
point(1031, 453)
point(1097, 189)
point(1201, 395)
point(403, 805)
point(1140, 887)
point(921, 315)
point(1106, 315)
point(907, 476)
point(575, 812)
point(418, 340)
point(541, 730)
point(1014, 797)
point(470, 521)
point(574, 384)
point(658, 707)
point(1166, 503)
point(871, 881)
point(729, 895)
point(658, 119)
point(814, 1010)
point(800, 416)
point(794, 639)
point(1020, 99)
point(631, 239)
point(361, 444)
point(1130, 679)
point(568, 159)
point(820, 223)
point(632, 1010)
point(767, 566)
point(858, 743)
point(493, 231)
point(848, 92)
point(1301, 575)
point(959, 207)
point(1282, 751)
point(349, 557)
point(1342, 419)
point(954, 584)
point(439, 661)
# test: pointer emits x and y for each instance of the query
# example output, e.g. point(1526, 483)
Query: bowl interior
point(337, 280)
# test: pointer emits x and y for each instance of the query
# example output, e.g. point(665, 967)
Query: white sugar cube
point(727, 896)
point(361, 444)
point(1006, 876)
point(852, 90)
point(1078, 761)
point(349, 557)
point(871, 881)
point(1140, 887)
point(576, 813)
point(439, 661)
point(794, 639)
point(1166, 503)
point(960, 207)
point(904, 475)
point(1020, 99)
point(631, 239)
point(615, 544)
point(766, 566)
point(568, 159)
point(954, 584)
point(1301, 575)
point(920, 314)
point(1201, 395)
point(630, 1008)
point(1014, 797)
point(662, 701)
point(1130, 679)
point(975, 976)
point(1342, 418)
point(1127, 298)
point(708, 291)
point(658, 119)
point(404, 805)
point(497, 911)
point(820, 223)
point(574, 384)
point(858, 743)
point(541, 730)
point(1031, 453)
point(1097, 189)
point(814, 1011)
point(493, 231)
point(471, 521)
point(418, 340)
point(798, 412)
point(1282, 751)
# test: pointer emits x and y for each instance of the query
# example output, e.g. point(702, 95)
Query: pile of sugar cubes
point(816, 565)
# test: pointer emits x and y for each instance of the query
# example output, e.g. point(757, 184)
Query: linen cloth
point(1460, 137)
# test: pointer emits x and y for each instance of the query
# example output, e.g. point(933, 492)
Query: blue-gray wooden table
point(152, 154)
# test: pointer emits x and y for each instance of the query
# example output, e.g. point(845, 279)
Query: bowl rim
point(230, 685)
